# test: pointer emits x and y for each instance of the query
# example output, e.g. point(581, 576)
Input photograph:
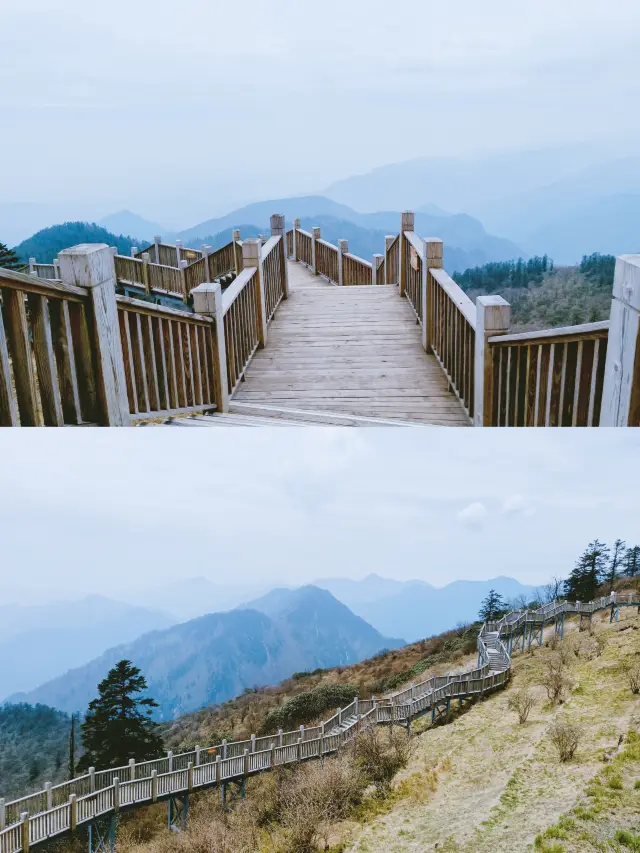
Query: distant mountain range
point(125, 222)
point(38, 643)
point(416, 609)
point(215, 657)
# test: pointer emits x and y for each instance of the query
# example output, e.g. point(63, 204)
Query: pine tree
point(118, 725)
point(632, 562)
point(587, 575)
point(493, 607)
point(613, 569)
point(72, 748)
point(8, 258)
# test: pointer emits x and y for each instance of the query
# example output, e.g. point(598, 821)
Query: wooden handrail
point(456, 294)
point(560, 335)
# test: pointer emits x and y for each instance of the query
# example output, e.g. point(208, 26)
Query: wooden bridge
point(295, 330)
point(94, 800)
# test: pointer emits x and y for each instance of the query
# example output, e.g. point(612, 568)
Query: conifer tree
point(613, 569)
point(588, 573)
point(118, 725)
point(493, 607)
point(8, 258)
point(72, 748)
point(632, 562)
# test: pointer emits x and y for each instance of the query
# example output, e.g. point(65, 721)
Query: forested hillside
point(45, 244)
point(34, 746)
point(542, 295)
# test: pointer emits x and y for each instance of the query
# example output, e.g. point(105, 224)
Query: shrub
point(308, 706)
point(565, 736)
point(632, 672)
point(627, 839)
point(522, 701)
point(381, 755)
point(554, 680)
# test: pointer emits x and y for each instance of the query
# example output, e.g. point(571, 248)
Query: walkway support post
point(93, 266)
point(433, 259)
point(252, 257)
point(407, 223)
point(156, 248)
point(493, 317)
point(207, 300)
point(278, 229)
point(621, 391)
point(24, 819)
point(182, 265)
point(315, 236)
point(343, 248)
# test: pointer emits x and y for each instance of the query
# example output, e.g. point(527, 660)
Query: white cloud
point(473, 515)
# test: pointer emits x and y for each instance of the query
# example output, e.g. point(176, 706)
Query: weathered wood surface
point(351, 350)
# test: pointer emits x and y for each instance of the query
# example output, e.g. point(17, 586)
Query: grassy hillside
point(45, 244)
point(542, 296)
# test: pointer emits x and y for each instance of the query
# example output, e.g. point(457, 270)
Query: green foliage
point(8, 258)
point(72, 748)
point(496, 276)
point(306, 707)
point(612, 571)
point(493, 607)
point(33, 741)
point(627, 839)
point(599, 269)
point(299, 676)
point(45, 245)
point(117, 725)
point(586, 576)
point(632, 562)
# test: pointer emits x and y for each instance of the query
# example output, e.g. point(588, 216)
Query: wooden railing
point(452, 334)
point(241, 324)
point(274, 274)
point(549, 378)
point(327, 260)
point(303, 247)
point(169, 255)
point(143, 273)
point(355, 270)
point(168, 360)
point(58, 810)
point(290, 243)
point(413, 270)
point(47, 369)
point(392, 264)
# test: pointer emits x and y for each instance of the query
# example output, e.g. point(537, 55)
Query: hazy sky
point(180, 110)
point(91, 511)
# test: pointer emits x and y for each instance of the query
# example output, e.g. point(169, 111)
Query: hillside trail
point(502, 783)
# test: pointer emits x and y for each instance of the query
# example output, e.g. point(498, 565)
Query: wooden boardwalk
point(349, 350)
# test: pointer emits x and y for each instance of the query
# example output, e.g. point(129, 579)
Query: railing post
point(278, 229)
point(224, 748)
point(375, 269)
point(197, 751)
point(434, 260)
point(56, 268)
point(132, 769)
point(253, 743)
point(390, 276)
point(343, 249)
point(493, 317)
point(170, 760)
point(156, 247)
point(272, 756)
point(190, 776)
point(179, 248)
point(621, 391)
point(182, 265)
point(237, 250)
point(251, 257)
point(49, 795)
point(93, 266)
point(134, 251)
point(206, 250)
point(116, 793)
point(154, 786)
point(92, 780)
point(315, 236)
point(245, 764)
point(32, 266)
point(298, 750)
point(218, 770)
point(280, 736)
point(302, 737)
point(296, 226)
point(26, 835)
point(73, 810)
point(145, 272)
point(407, 223)
point(3, 814)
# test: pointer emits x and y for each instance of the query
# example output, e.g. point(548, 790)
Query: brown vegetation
point(522, 701)
point(565, 735)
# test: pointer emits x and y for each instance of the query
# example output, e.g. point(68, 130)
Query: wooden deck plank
point(352, 351)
